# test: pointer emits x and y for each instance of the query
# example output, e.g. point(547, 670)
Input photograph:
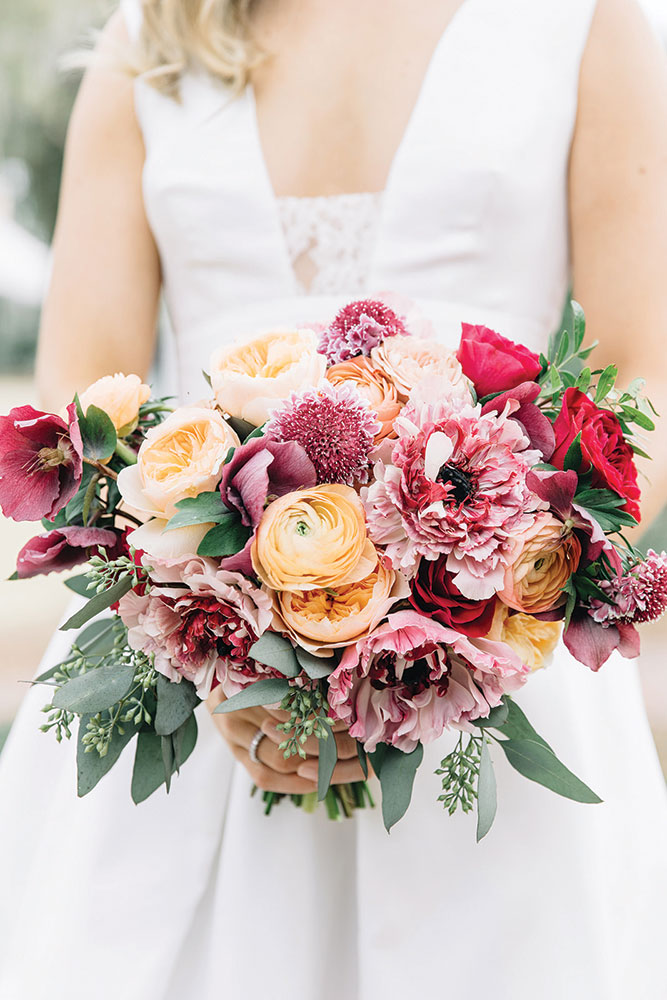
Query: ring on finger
point(254, 746)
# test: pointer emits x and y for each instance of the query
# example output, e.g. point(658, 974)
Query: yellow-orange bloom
point(541, 562)
point(120, 396)
point(532, 640)
point(322, 620)
point(374, 386)
point(407, 361)
point(313, 538)
point(181, 457)
point(250, 377)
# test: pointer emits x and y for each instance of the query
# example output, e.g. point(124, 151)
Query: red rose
point(435, 594)
point(60, 549)
point(41, 462)
point(603, 447)
point(492, 362)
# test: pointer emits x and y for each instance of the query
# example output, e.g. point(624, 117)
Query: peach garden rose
point(250, 377)
point(120, 396)
point(541, 560)
point(312, 539)
point(181, 457)
point(376, 387)
point(409, 360)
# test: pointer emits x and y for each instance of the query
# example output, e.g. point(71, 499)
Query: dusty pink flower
point(639, 595)
point(412, 678)
point(61, 549)
point(41, 462)
point(334, 426)
point(456, 486)
point(200, 632)
point(264, 468)
point(358, 328)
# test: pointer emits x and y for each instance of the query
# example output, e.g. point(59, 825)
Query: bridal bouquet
point(360, 526)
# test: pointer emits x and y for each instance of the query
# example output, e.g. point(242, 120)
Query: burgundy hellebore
point(41, 462)
point(61, 549)
point(264, 469)
point(492, 362)
point(523, 409)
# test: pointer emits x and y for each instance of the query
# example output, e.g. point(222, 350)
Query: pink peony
point(456, 486)
point(358, 328)
point(61, 549)
point(204, 631)
point(41, 462)
point(412, 678)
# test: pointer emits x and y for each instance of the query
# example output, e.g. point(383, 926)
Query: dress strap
point(133, 14)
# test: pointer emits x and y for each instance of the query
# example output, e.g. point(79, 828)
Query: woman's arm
point(100, 312)
point(618, 208)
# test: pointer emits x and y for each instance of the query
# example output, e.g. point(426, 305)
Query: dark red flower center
point(419, 675)
point(460, 483)
point(206, 624)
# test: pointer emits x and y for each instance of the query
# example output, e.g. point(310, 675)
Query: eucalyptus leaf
point(185, 739)
point(328, 756)
point(486, 793)
point(203, 509)
point(397, 772)
point(268, 691)
point(175, 704)
point(90, 767)
point(316, 667)
point(495, 719)
point(225, 539)
point(167, 748)
point(149, 765)
point(517, 726)
point(100, 602)
point(98, 638)
point(363, 759)
point(539, 763)
point(96, 690)
point(273, 650)
point(79, 584)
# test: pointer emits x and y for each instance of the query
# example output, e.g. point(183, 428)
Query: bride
point(269, 161)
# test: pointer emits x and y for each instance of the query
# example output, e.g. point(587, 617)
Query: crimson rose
point(492, 362)
point(435, 594)
point(603, 447)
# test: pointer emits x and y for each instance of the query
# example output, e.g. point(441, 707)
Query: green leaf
point(98, 434)
point(100, 602)
point(185, 739)
point(149, 760)
point(90, 766)
point(584, 381)
point(268, 691)
point(79, 584)
point(573, 456)
point(328, 755)
point(241, 427)
point(397, 772)
point(315, 667)
point(202, 509)
point(495, 719)
point(486, 793)
point(95, 691)
point(563, 349)
point(517, 726)
point(578, 325)
point(539, 763)
point(635, 388)
point(175, 704)
point(98, 639)
point(273, 650)
point(363, 759)
point(14, 576)
point(605, 382)
point(225, 539)
point(167, 748)
point(635, 416)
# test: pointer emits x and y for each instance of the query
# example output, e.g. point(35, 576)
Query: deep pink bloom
point(435, 594)
point(492, 362)
point(638, 595)
point(412, 678)
point(456, 486)
point(61, 549)
point(335, 427)
point(593, 643)
point(358, 328)
point(522, 408)
point(558, 489)
point(264, 468)
point(41, 462)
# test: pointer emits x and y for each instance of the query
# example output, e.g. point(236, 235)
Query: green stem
point(125, 453)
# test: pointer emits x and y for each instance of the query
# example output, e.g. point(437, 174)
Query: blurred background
point(35, 101)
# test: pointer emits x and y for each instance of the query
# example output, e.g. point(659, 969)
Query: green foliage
point(539, 763)
point(460, 773)
point(308, 716)
point(175, 704)
point(96, 690)
point(267, 691)
point(272, 650)
point(226, 538)
point(98, 434)
point(157, 758)
point(486, 793)
point(316, 667)
point(203, 509)
point(605, 506)
point(328, 756)
point(99, 603)
point(396, 771)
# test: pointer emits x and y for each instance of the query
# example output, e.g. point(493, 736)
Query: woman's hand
point(275, 772)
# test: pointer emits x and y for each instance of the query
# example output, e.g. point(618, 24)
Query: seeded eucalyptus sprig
point(309, 709)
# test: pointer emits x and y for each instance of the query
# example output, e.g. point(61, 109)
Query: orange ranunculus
point(541, 561)
point(181, 457)
point(531, 639)
point(250, 377)
point(322, 620)
point(120, 396)
point(313, 538)
point(409, 360)
point(374, 386)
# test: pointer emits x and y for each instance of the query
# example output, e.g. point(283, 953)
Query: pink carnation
point(455, 486)
point(202, 632)
point(412, 678)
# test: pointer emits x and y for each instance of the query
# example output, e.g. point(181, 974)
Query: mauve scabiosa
point(359, 327)
point(334, 426)
point(640, 595)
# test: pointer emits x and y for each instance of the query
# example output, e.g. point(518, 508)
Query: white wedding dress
point(198, 894)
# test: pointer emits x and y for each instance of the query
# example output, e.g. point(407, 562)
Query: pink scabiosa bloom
point(640, 595)
point(335, 427)
point(358, 328)
point(455, 486)
point(412, 678)
point(204, 631)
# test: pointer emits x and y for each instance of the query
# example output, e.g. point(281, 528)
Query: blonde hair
point(213, 34)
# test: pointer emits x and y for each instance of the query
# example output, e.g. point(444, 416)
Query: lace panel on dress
point(330, 240)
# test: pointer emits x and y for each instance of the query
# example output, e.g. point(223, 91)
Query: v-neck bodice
point(473, 221)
